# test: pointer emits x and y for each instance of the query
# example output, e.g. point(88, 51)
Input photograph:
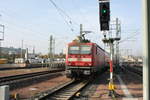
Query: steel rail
point(66, 92)
point(134, 70)
point(21, 76)
point(22, 80)
point(17, 68)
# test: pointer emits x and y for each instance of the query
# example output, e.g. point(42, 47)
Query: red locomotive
point(84, 59)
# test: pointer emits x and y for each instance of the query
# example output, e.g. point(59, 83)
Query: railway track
point(67, 91)
point(64, 92)
point(17, 68)
point(17, 81)
point(34, 66)
point(135, 70)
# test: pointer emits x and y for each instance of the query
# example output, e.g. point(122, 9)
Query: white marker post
point(4, 92)
point(146, 49)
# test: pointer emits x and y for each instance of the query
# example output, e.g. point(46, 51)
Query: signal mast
point(104, 12)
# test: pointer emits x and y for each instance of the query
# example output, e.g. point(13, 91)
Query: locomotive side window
point(85, 49)
point(96, 50)
point(74, 50)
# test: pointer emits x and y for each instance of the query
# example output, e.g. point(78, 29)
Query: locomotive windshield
point(74, 50)
point(83, 49)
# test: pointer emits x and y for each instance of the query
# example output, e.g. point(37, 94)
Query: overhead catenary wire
point(64, 15)
point(21, 26)
point(130, 37)
point(20, 29)
point(85, 18)
point(71, 20)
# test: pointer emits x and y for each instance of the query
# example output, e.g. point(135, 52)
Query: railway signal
point(104, 10)
point(104, 15)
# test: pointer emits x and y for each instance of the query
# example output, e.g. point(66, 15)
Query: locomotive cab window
point(85, 49)
point(74, 50)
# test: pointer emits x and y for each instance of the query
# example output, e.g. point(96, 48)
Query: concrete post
point(146, 49)
point(4, 92)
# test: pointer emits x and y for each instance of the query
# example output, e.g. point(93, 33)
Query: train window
point(74, 50)
point(85, 49)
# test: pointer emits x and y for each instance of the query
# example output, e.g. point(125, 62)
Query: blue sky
point(35, 20)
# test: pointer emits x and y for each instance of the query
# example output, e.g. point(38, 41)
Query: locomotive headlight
point(68, 71)
point(69, 63)
point(87, 72)
point(90, 64)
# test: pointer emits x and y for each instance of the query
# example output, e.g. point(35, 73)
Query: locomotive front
point(79, 59)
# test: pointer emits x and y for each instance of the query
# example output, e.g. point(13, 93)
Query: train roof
point(73, 43)
point(88, 43)
point(102, 49)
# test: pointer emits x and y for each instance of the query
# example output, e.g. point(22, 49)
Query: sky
point(33, 21)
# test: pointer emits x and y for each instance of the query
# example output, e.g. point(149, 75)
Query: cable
point(61, 10)
point(130, 36)
point(64, 14)
point(85, 17)
point(22, 26)
point(20, 29)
